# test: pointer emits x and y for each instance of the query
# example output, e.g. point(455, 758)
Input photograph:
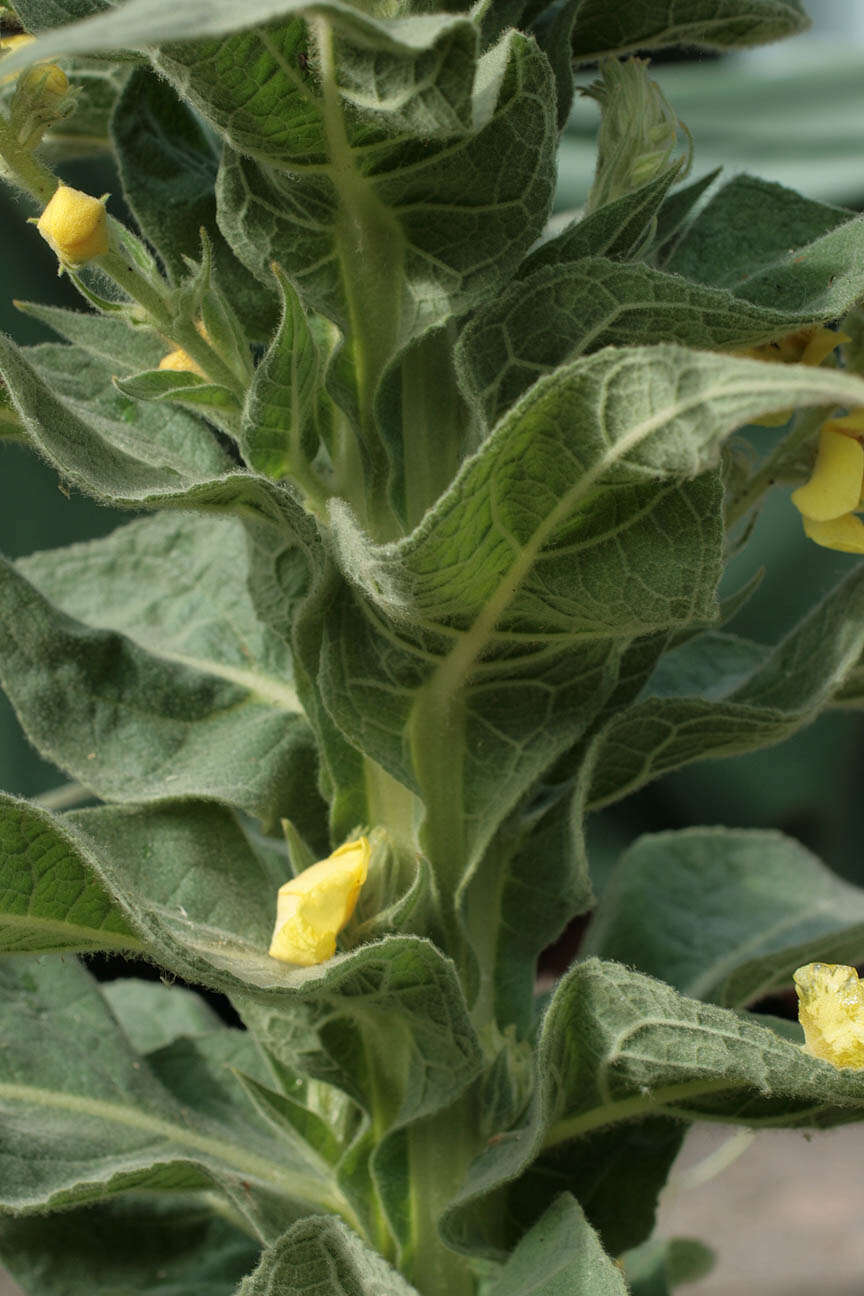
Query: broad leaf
point(204, 901)
point(85, 1118)
point(491, 621)
point(154, 1014)
point(109, 452)
point(617, 1045)
point(168, 168)
point(616, 1175)
point(49, 897)
point(133, 725)
point(441, 224)
point(564, 311)
point(560, 1253)
point(728, 717)
point(769, 245)
point(599, 30)
point(725, 916)
point(175, 1247)
point(321, 1257)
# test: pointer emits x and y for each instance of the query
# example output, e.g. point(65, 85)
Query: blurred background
point(785, 1217)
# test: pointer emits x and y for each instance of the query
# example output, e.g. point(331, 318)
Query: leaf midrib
point(238, 1158)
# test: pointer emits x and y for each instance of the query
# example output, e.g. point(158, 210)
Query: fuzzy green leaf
point(321, 1257)
point(600, 30)
point(132, 724)
point(129, 454)
point(560, 1253)
point(154, 1014)
point(85, 1118)
point(175, 1247)
point(787, 691)
point(109, 338)
point(280, 429)
point(769, 245)
point(168, 168)
point(445, 222)
point(49, 896)
point(725, 916)
point(484, 612)
point(616, 1045)
point(618, 230)
point(564, 311)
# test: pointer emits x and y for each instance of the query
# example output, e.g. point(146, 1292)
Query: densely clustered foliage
point(434, 499)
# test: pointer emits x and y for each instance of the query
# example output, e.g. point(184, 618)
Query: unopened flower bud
point(75, 225)
point(315, 905)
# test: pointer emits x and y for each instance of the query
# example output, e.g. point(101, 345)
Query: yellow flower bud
point(75, 225)
point(45, 80)
point(831, 1010)
point(834, 487)
point(314, 906)
point(182, 362)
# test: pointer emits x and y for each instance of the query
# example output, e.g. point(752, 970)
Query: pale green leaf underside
point(133, 726)
point(725, 916)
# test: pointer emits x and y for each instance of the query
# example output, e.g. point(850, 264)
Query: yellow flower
point(831, 1010)
point(75, 225)
point(314, 906)
point(181, 361)
point(827, 502)
point(808, 346)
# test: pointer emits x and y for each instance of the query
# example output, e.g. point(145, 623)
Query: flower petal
point(834, 487)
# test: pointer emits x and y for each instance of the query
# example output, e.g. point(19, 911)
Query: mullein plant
point(433, 499)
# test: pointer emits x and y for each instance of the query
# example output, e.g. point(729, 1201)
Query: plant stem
point(26, 171)
point(439, 1150)
point(370, 246)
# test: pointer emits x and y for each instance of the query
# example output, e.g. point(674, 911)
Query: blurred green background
point(790, 112)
